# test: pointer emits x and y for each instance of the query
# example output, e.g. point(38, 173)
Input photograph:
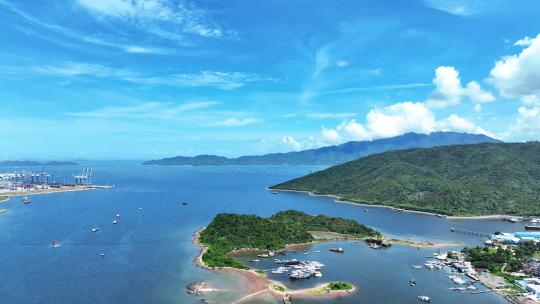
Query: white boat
point(417, 266)
point(95, 230)
point(140, 209)
point(263, 255)
point(317, 251)
point(271, 253)
point(535, 220)
point(424, 298)
point(102, 255)
point(115, 222)
point(318, 274)
point(118, 215)
point(255, 261)
point(429, 265)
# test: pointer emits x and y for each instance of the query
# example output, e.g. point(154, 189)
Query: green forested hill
point(232, 231)
point(478, 179)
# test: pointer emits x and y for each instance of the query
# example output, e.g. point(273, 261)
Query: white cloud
point(235, 122)
point(217, 79)
point(449, 91)
point(526, 126)
point(331, 135)
point(341, 63)
point(291, 142)
point(519, 75)
point(524, 42)
point(326, 115)
point(458, 7)
point(147, 110)
point(398, 119)
point(168, 20)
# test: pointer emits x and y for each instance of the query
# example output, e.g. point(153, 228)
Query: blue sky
point(143, 79)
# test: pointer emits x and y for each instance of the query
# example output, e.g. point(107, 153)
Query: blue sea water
point(149, 253)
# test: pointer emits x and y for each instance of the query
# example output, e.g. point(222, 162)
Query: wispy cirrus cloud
point(147, 110)
point(235, 122)
point(170, 20)
point(459, 7)
point(216, 79)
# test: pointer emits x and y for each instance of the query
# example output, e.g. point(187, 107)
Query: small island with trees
point(229, 233)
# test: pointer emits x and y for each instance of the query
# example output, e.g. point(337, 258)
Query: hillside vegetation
point(228, 231)
point(467, 180)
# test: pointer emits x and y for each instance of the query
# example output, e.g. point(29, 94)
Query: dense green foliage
point(479, 179)
point(333, 154)
point(233, 231)
point(495, 258)
point(339, 285)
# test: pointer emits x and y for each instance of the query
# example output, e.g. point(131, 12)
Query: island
point(228, 234)
point(30, 163)
point(461, 180)
point(332, 154)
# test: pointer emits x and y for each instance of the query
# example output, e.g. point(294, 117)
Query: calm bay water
point(149, 253)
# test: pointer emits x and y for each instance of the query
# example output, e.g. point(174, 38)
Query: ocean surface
point(149, 254)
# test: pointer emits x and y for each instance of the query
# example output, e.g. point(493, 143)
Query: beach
point(338, 199)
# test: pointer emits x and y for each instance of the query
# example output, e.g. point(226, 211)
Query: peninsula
point(462, 180)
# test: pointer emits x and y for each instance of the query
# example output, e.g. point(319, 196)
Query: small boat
point(337, 249)
point(412, 282)
point(317, 251)
point(374, 246)
point(424, 299)
point(535, 220)
point(317, 274)
point(399, 209)
point(102, 254)
point(274, 192)
point(118, 215)
point(532, 227)
point(513, 220)
point(366, 210)
point(184, 203)
point(26, 200)
point(306, 253)
point(115, 222)
point(417, 266)
point(263, 255)
point(94, 230)
point(140, 209)
point(55, 244)
point(255, 261)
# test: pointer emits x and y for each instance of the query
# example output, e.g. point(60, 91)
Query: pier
point(462, 231)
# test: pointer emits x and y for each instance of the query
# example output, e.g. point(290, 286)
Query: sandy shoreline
point(259, 285)
point(337, 199)
point(51, 190)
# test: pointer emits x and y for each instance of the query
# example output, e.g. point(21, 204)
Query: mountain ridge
point(330, 155)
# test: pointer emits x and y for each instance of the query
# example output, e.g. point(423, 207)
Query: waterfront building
point(531, 285)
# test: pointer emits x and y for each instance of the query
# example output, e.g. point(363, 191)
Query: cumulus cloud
point(519, 75)
point(398, 119)
point(449, 91)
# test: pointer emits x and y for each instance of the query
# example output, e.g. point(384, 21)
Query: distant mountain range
point(30, 163)
point(482, 179)
point(334, 154)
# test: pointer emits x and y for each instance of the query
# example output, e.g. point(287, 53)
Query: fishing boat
point(424, 298)
point(337, 249)
point(26, 200)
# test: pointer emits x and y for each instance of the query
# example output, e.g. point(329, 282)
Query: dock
point(468, 232)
